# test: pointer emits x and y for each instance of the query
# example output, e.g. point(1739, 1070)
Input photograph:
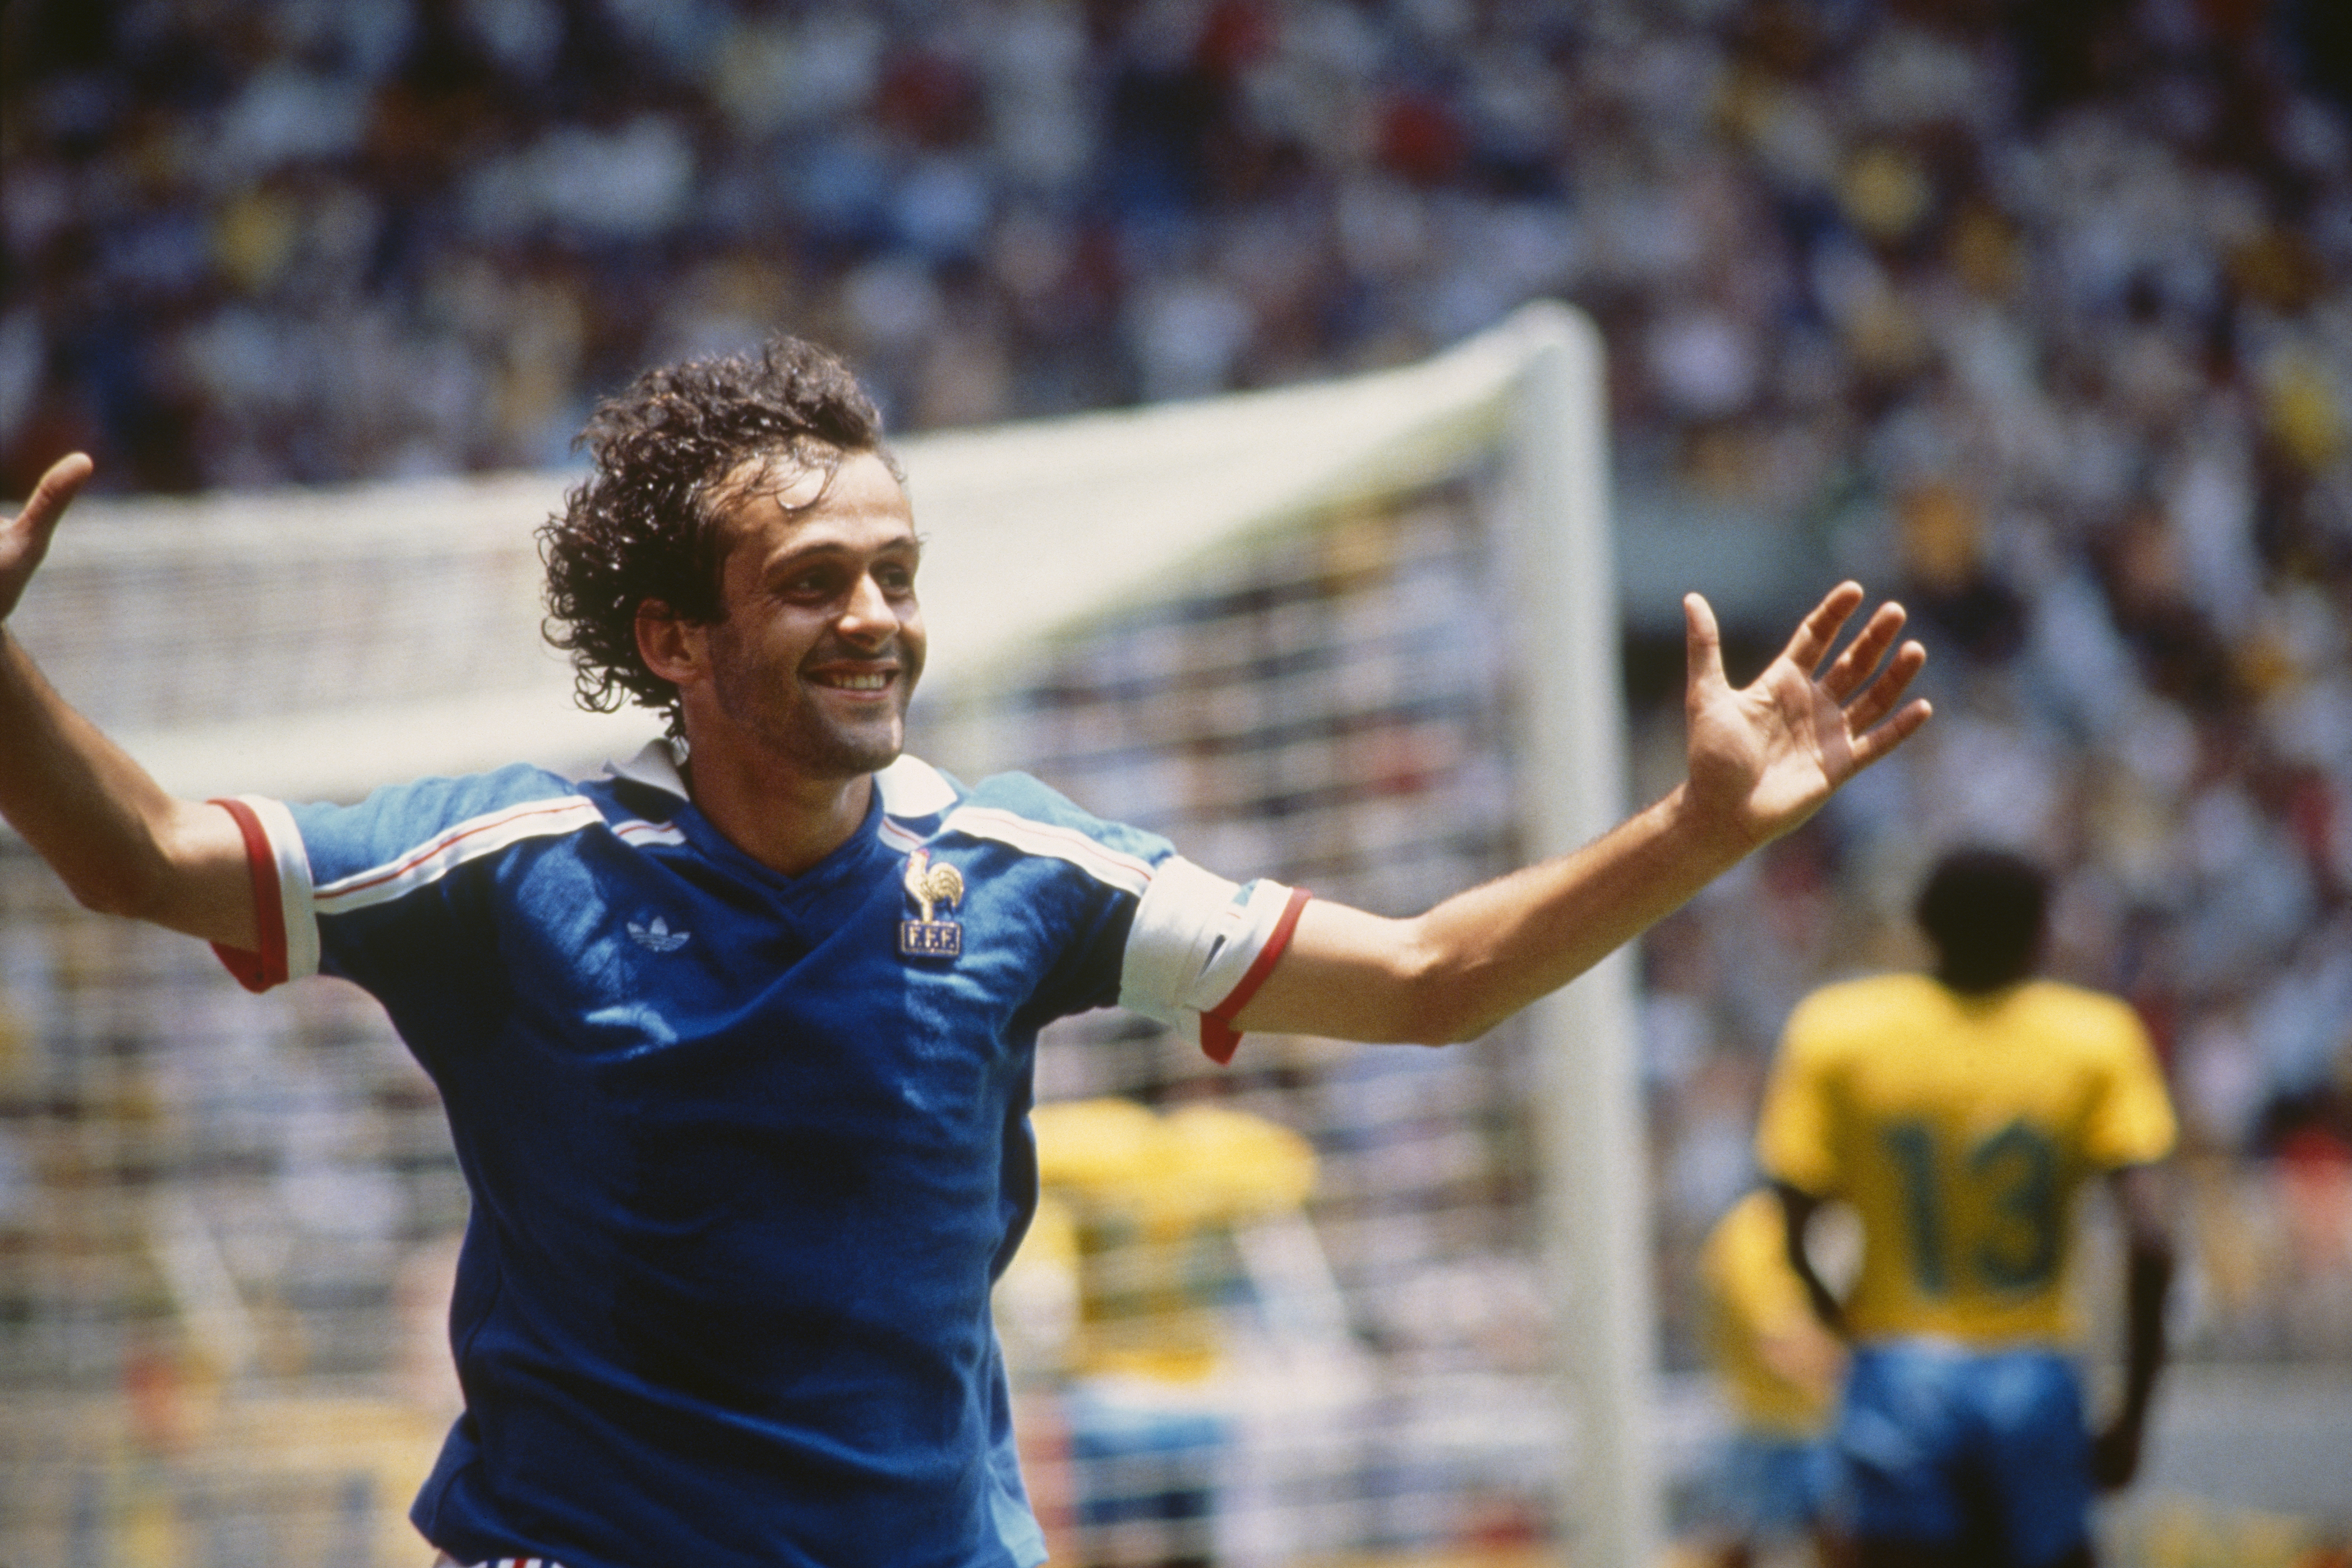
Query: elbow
point(134, 886)
point(1390, 981)
point(1434, 1027)
point(2148, 1223)
point(131, 897)
point(1438, 1003)
point(1456, 1026)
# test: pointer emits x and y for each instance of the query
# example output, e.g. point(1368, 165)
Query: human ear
point(670, 646)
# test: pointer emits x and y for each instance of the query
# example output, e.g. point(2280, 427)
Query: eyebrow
point(798, 555)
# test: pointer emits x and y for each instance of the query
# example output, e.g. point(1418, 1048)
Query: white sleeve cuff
point(290, 865)
point(1195, 936)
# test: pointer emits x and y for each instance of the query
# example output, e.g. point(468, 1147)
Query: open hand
point(24, 538)
point(1765, 756)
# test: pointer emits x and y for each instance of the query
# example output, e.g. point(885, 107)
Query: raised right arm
point(121, 844)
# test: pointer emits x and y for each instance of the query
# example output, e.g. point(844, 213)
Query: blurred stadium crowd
point(2039, 312)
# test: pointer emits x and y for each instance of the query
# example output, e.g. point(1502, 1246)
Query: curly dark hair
point(646, 523)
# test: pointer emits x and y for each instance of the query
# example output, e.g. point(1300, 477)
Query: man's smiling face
point(823, 639)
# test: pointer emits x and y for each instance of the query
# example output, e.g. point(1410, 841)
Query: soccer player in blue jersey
point(735, 1042)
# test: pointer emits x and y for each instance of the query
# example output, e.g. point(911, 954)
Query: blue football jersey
point(745, 1150)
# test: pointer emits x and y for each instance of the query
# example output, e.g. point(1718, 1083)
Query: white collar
point(655, 766)
point(909, 787)
point(912, 787)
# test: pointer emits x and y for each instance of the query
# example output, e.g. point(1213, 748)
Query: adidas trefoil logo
point(656, 936)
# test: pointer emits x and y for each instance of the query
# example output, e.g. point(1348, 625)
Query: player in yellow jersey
point(1778, 1369)
point(1960, 1114)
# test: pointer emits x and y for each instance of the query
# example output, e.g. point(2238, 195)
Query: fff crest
point(934, 889)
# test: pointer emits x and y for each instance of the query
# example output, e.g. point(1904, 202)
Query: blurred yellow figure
point(1154, 1199)
point(1182, 1338)
point(1961, 1113)
point(1779, 1370)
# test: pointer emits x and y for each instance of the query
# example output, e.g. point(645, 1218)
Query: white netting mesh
point(1369, 1370)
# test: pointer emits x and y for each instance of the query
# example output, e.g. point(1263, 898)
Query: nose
point(868, 617)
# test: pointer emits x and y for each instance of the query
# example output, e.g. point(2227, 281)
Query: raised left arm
point(1762, 758)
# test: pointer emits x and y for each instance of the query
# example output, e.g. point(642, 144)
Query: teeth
point(858, 682)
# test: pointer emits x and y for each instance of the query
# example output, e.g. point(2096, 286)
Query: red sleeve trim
point(258, 970)
point(1219, 1038)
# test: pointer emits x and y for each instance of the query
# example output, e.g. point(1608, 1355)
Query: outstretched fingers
point(1878, 700)
point(1877, 718)
point(1818, 631)
point(1869, 745)
point(1852, 668)
point(1874, 722)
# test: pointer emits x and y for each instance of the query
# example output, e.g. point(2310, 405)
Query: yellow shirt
point(1778, 1363)
point(1961, 1129)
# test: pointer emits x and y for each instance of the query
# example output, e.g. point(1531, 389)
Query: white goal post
point(309, 645)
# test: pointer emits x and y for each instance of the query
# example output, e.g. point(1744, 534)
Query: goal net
point(1329, 1304)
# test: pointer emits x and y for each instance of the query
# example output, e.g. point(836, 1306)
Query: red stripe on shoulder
point(1219, 1038)
point(258, 970)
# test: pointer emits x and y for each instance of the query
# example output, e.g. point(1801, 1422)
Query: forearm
point(2142, 1194)
point(1474, 960)
point(1762, 759)
point(1498, 947)
point(2140, 1191)
point(121, 844)
point(2148, 1280)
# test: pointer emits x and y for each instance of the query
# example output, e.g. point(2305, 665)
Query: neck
point(786, 821)
point(1977, 987)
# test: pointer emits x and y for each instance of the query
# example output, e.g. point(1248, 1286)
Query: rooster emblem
point(931, 887)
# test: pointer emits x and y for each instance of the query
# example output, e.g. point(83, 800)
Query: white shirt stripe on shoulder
point(452, 848)
point(1125, 872)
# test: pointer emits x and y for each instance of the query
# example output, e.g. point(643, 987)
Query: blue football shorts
point(1773, 1487)
point(1985, 1450)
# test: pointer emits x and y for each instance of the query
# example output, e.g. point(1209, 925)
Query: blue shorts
point(1949, 1446)
point(1773, 1487)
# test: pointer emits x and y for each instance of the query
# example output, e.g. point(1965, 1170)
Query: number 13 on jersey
point(1979, 1215)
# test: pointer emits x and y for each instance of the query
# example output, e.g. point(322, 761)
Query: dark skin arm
point(2139, 1191)
point(1797, 1210)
